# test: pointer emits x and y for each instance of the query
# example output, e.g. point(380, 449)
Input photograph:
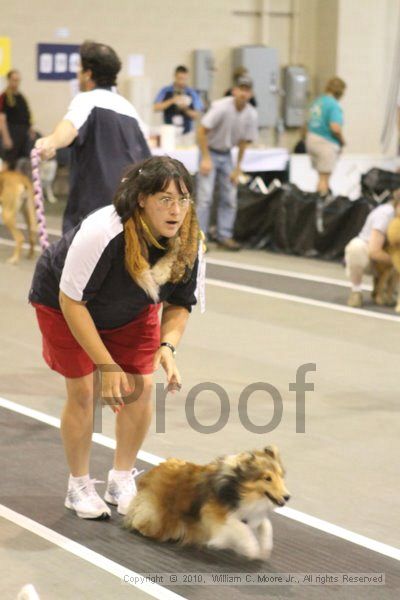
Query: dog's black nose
point(286, 498)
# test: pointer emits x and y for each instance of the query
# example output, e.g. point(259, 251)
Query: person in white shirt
point(104, 131)
point(231, 121)
point(368, 247)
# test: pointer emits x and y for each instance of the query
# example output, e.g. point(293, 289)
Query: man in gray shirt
point(229, 122)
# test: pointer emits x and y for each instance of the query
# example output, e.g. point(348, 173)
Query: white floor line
point(360, 312)
point(50, 230)
point(98, 560)
point(290, 513)
point(280, 295)
point(242, 266)
point(282, 272)
point(11, 243)
point(340, 532)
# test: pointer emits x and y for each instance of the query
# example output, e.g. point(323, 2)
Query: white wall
point(165, 31)
point(365, 45)
point(353, 38)
point(326, 42)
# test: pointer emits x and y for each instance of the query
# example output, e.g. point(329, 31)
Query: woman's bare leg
point(323, 183)
point(133, 422)
point(77, 422)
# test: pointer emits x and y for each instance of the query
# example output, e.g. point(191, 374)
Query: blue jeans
point(227, 195)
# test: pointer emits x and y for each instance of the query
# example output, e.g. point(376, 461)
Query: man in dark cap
point(231, 121)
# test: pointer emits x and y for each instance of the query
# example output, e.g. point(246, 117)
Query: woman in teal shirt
point(324, 132)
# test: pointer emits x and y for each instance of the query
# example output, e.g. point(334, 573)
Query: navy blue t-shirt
point(109, 139)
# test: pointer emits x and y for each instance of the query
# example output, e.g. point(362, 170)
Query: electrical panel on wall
point(203, 70)
point(296, 86)
point(262, 65)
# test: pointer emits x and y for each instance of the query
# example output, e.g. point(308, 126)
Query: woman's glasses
point(167, 201)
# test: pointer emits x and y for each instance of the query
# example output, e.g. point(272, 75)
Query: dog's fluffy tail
point(143, 515)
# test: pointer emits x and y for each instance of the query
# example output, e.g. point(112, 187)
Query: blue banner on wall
point(57, 62)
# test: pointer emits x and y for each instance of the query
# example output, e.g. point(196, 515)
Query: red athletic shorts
point(132, 346)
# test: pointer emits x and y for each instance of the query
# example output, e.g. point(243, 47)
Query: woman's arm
point(84, 331)
point(173, 323)
point(375, 248)
point(337, 132)
point(5, 134)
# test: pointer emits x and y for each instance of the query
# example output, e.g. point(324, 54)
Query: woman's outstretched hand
point(114, 386)
point(165, 358)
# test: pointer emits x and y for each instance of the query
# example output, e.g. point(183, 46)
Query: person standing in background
point(230, 121)
point(240, 72)
point(368, 248)
point(324, 139)
point(180, 103)
point(5, 140)
point(104, 131)
point(16, 127)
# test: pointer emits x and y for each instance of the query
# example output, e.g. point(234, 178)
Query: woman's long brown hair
point(147, 178)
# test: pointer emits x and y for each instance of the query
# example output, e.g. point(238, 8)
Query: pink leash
point(38, 196)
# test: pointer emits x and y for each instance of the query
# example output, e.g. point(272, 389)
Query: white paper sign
point(74, 62)
point(136, 65)
point(46, 63)
point(61, 62)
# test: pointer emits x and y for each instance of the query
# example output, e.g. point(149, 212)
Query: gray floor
point(297, 549)
point(27, 558)
point(342, 469)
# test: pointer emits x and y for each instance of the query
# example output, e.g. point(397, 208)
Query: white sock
point(79, 480)
point(116, 474)
point(356, 288)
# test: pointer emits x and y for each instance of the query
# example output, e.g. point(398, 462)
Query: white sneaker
point(85, 501)
point(355, 299)
point(121, 489)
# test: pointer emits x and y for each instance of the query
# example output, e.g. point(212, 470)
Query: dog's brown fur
point(393, 240)
point(16, 193)
point(386, 280)
point(223, 504)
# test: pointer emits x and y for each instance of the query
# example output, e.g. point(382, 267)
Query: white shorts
point(323, 153)
point(356, 256)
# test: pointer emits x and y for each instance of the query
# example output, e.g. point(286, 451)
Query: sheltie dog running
point(223, 504)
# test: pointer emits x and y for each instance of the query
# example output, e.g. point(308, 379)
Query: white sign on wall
point(135, 65)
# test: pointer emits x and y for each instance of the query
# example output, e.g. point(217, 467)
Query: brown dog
point(386, 280)
point(224, 504)
point(16, 193)
point(393, 238)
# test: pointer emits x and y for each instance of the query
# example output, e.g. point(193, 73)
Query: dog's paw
point(380, 300)
point(250, 550)
point(265, 553)
point(13, 260)
point(265, 539)
point(390, 301)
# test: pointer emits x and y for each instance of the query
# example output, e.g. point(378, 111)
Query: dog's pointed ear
point(272, 451)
